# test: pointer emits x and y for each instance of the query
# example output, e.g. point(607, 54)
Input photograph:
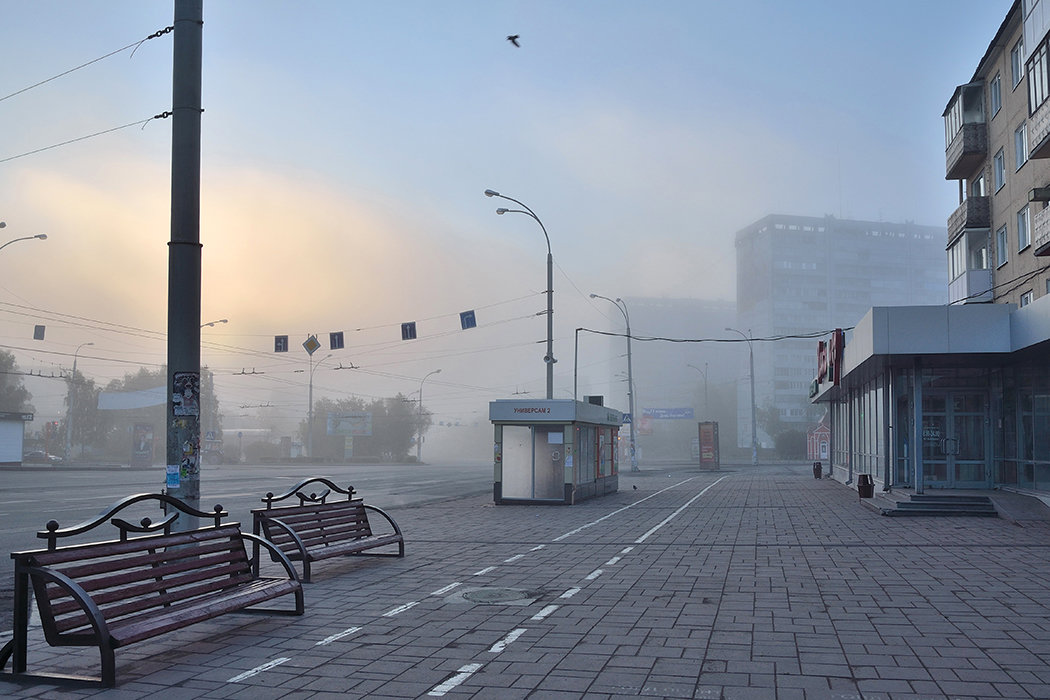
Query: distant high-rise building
point(798, 276)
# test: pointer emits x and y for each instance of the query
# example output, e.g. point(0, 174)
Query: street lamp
point(622, 306)
point(703, 372)
point(754, 428)
point(72, 398)
point(549, 357)
point(310, 412)
point(419, 440)
point(40, 236)
point(214, 323)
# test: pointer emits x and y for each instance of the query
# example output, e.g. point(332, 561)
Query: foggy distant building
point(801, 275)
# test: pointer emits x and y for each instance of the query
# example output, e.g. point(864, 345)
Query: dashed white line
point(625, 550)
point(593, 575)
point(400, 609)
point(507, 641)
point(673, 515)
point(446, 589)
point(484, 571)
point(543, 613)
point(338, 635)
point(514, 558)
point(537, 548)
point(612, 561)
point(258, 669)
point(463, 674)
point(570, 593)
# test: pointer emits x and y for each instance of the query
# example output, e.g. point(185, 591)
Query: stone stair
point(942, 504)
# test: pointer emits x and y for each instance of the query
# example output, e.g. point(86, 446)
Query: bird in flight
point(513, 38)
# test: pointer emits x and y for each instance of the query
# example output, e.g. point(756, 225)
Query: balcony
point(974, 213)
point(1039, 132)
point(1041, 232)
point(967, 151)
point(971, 287)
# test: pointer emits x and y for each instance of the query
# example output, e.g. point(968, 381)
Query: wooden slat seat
point(319, 529)
point(115, 593)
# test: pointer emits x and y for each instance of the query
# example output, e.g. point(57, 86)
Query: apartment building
point(959, 396)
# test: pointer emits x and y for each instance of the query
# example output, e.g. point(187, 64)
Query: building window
point(1017, 61)
point(1000, 247)
point(1000, 170)
point(1037, 79)
point(1021, 145)
point(977, 186)
point(1024, 230)
point(1026, 298)
point(995, 94)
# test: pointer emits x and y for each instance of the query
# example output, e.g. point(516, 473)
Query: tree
point(14, 397)
point(395, 422)
point(89, 424)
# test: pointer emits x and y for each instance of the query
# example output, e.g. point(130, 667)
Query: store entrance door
point(955, 439)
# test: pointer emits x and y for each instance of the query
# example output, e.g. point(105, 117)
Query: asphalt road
point(34, 494)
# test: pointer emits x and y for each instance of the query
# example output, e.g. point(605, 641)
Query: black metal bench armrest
point(275, 551)
point(397, 530)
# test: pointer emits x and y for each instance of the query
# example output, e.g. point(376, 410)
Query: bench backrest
point(316, 524)
point(134, 576)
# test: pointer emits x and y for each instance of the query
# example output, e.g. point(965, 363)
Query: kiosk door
point(533, 462)
point(954, 439)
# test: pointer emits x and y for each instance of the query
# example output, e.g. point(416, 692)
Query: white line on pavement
point(673, 515)
point(537, 548)
point(484, 571)
point(338, 635)
point(401, 608)
point(463, 674)
point(507, 641)
point(612, 561)
point(543, 613)
point(446, 589)
point(620, 510)
point(625, 550)
point(258, 669)
point(514, 558)
point(570, 593)
point(593, 575)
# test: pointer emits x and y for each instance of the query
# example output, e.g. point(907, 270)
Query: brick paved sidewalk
point(747, 583)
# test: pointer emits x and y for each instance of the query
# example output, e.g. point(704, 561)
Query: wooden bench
point(318, 528)
point(115, 593)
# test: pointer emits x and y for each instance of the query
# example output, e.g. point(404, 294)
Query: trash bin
point(816, 470)
point(865, 486)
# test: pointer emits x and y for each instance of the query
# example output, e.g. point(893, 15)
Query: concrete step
point(943, 505)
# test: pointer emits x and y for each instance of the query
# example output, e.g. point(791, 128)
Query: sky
point(346, 147)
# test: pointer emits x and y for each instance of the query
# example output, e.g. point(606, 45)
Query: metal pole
point(754, 425)
point(630, 387)
point(310, 413)
point(184, 262)
point(419, 439)
point(72, 399)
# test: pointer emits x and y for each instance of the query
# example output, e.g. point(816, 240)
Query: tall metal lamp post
point(549, 357)
point(72, 400)
point(310, 412)
point(419, 439)
point(704, 373)
point(754, 427)
point(622, 306)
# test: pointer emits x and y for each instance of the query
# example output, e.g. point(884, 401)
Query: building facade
point(959, 396)
point(798, 276)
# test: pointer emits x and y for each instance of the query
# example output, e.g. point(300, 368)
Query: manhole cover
point(496, 595)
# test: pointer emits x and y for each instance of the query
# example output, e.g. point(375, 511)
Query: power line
point(162, 115)
point(136, 44)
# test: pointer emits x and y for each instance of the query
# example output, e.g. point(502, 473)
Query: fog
point(345, 151)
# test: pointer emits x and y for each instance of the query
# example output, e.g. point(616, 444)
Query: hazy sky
point(346, 147)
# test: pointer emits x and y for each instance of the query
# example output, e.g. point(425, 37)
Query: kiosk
point(553, 451)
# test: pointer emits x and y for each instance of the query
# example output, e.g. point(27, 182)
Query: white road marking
point(625, 550)
point(673, 515)
point(612, 561)
point(463, 674)
point(514, 558)
point(258, 669)
point(620, 510)
point(401, 608)
point(446, 589)
point(338, 635)
point(570, 593)
point(484, 571)
point(537, 548)
point(593, 575)
point(507, 641)
point(543, 613)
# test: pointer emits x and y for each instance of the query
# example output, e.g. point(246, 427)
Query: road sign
point(627, 418)
point(312, 344)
